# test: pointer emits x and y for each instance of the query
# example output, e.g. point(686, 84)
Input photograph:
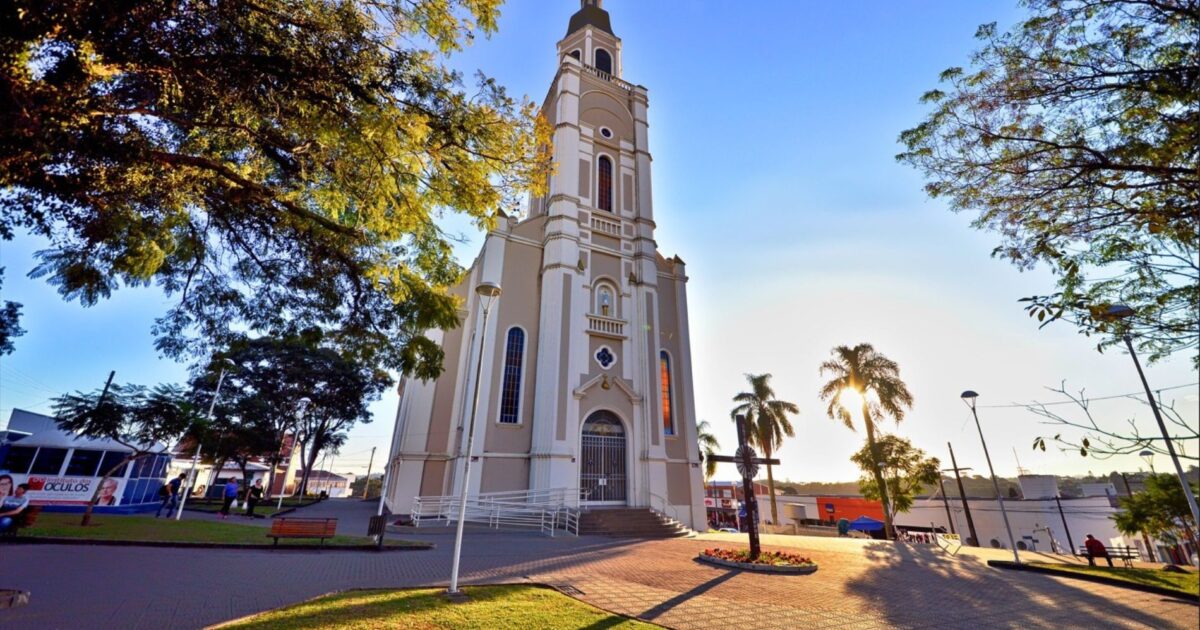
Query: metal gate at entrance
point(602, 465)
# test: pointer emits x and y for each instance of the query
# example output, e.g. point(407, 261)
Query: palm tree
point(874, 379)
point(708, 447)
point(768, 423)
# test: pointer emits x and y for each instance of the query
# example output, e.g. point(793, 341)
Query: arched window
point(510, 389)
point(664, 362)
point(577, 54)
point(604, 193)
point(603, 61)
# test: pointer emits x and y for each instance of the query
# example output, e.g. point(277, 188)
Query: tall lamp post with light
point(488, 293)
point(969, 398)
point(1119, 313)
point(1148, 457)
point(196, 457)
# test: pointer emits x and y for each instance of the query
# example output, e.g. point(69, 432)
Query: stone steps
point(629, 523)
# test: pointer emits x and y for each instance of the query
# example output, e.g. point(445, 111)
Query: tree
point(767, 418)
point(1102, 440)
point(142, 420)
point(294, 386)
point(270, 165)
point(1161, 511)
point(905, 469)
point(373, 486)
point(708, 447)
point(10, 317)
point(1073, 137)
point(872, 378)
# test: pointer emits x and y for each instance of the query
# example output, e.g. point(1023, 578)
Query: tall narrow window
point(604, 194)
point(664, 363)
point(603, 61)
point(510, 399)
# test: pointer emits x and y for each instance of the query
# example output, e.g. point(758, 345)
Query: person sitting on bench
point(12, 506)
point(1096, 549)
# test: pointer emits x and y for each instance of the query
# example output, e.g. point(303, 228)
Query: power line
point(1072, 402)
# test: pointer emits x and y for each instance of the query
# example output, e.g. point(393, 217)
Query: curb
point(47, 540)
point(759, 568)
point(1099, 579)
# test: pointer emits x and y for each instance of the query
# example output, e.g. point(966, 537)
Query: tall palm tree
point(875, 379)
point(708, 447)
point(768, 419)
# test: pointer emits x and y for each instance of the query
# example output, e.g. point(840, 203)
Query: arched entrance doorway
point(602, 462)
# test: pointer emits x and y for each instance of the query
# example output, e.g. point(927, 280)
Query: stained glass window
point(605, 192)
point(510, 388)
point(664, 362)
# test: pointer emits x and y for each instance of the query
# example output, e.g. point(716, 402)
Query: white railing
point(607, 76)
point(546, 510)
point(665, 509)
point(609, 326)
point(606, 226)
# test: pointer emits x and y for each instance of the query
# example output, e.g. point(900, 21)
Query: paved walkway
point(859, 585)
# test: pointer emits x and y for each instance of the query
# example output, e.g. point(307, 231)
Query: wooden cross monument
point(747, 461)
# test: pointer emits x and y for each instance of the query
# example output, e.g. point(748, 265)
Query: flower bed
point(767, 561)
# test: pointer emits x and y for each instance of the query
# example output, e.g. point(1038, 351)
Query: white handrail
point(668, 509)
point(547, 509)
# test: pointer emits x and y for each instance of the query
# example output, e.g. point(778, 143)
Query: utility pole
point(962, 494)
point(946, 502)
point(1070, 541)
point(1145, 538)
point(371, 461)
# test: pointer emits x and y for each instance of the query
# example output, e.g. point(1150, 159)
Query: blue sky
point(773, 127)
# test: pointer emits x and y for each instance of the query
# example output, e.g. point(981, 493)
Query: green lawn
point(1186, 583)
point(148, 528)
point(521, 607)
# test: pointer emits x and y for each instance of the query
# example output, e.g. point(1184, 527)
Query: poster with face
point(55, 490)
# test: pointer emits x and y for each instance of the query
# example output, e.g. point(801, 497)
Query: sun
point(850, 399)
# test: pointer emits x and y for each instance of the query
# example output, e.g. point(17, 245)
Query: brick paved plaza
point(859, 585)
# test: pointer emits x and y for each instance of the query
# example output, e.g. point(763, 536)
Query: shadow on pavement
point(912, 585)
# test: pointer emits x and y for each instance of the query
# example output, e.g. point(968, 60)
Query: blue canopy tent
point(866, 524)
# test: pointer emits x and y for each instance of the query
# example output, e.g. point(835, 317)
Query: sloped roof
point(590, 14)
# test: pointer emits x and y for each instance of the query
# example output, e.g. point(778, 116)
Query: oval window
point(606, 132)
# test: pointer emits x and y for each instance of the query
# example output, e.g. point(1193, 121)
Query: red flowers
point(775, 558)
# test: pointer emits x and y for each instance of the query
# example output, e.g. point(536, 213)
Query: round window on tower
point(606, 132)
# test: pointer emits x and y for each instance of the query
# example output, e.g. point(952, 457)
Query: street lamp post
point(969, 398)
point(488, 293)
point(196, 458)
point(301, 406)
point(1120, 312)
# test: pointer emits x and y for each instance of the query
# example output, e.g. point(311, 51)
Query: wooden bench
point(303, 528)
point(26, 518)
point(1125, 554)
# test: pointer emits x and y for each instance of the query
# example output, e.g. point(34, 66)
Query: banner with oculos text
point(53, 490)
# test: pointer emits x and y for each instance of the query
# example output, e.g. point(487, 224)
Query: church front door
point(602, 467)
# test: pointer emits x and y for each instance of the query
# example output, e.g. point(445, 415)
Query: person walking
point(170, 495)
point(229, 495)
point(1096, 549)
point(253, 496)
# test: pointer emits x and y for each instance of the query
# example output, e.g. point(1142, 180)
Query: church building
point(586, 374)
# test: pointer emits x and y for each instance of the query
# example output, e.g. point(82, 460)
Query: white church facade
point(586, 374)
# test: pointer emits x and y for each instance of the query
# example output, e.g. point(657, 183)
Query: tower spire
point(590, 13)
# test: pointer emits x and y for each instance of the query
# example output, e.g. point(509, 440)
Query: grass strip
point(150, 529)
point(1182, 583)
point(523, 607)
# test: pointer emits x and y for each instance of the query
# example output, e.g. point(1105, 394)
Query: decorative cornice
point(600, 379)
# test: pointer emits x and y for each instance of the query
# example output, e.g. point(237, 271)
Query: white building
point(587, 371)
